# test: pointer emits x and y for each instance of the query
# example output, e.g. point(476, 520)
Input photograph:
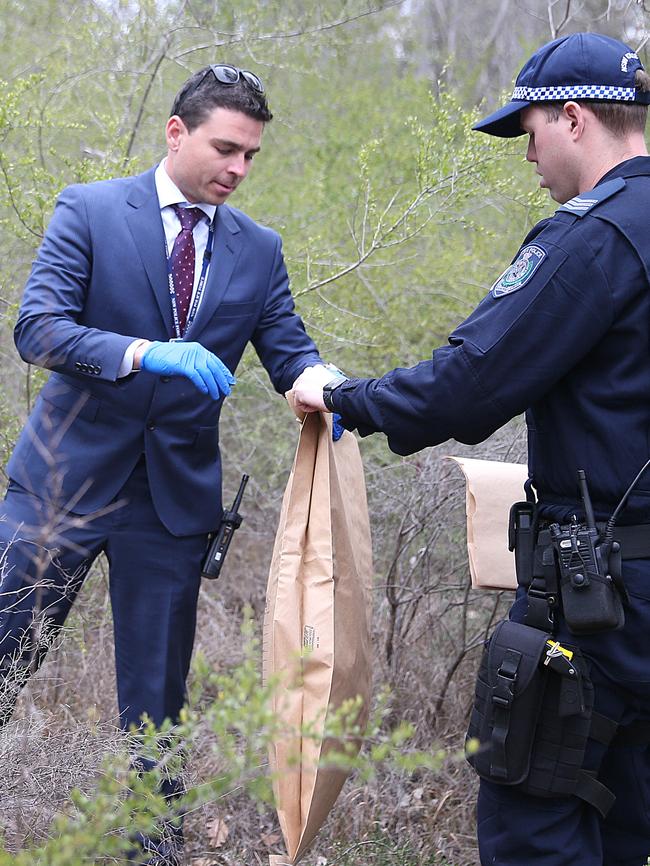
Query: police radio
point(219, 542)
point(590, 572)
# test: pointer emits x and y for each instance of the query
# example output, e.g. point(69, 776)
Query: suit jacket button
point(151, 426)
point(165, 378)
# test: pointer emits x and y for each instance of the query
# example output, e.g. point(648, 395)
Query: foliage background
point(396, 219)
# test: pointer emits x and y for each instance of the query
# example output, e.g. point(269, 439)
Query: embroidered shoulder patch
point(520, 271)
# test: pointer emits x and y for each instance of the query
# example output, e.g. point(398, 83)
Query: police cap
point(579, 66)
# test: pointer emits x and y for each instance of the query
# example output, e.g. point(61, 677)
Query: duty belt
point(532, 543)
point(634, 540)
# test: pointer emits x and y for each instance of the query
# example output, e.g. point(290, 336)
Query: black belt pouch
point(509, 693)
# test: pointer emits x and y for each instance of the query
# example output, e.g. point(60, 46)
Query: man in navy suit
point(121, 451)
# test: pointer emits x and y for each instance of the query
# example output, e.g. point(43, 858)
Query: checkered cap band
point(574, 91)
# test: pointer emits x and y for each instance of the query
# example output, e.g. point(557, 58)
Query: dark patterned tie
point(182, 260)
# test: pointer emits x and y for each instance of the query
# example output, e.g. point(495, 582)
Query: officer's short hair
point(202, 93)
point(620, 118)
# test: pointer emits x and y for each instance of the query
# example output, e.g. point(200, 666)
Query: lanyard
point(198, 294)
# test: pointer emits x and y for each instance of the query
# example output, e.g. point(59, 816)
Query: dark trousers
point(154, 585)
point(515, 829)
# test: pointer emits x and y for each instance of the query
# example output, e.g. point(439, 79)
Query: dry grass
point(428, 629)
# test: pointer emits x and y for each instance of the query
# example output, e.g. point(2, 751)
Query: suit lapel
point(225, 252)
point(146, 226)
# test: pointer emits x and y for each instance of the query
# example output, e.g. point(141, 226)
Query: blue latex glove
point(204, 370)
point(337, 427)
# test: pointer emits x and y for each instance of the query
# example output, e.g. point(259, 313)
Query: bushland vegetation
point(396, 220)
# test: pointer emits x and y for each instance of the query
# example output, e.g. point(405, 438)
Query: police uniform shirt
point(563, 334)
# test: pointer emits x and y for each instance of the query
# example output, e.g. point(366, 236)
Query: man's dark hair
point(202, 93)
point(620, 118)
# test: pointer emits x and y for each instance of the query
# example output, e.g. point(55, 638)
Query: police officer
point(564, 335)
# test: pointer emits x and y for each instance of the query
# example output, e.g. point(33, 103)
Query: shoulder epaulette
point(587, 201)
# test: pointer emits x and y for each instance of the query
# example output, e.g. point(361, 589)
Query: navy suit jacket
point(99, 282)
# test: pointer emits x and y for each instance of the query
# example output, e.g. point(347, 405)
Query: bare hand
point(308, 388)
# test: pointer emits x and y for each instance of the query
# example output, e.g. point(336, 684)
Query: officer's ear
point(574, 113)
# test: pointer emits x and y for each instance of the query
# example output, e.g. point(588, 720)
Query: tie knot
point(188, 216)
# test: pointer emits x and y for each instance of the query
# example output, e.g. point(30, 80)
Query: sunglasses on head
point(226, 74)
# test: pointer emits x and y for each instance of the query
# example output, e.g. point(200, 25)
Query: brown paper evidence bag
point(491, 488)
point(317, 620)
point(317, 624)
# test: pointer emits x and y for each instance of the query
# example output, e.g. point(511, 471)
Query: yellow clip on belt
point(555, 648)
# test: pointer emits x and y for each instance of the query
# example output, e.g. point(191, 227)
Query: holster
point(509, 692)
point(533, 714)
point(522, 530)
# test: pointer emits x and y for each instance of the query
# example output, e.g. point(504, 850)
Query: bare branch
point(156, 60)
point(556, 29)
point(381, 235)
point(235, 38)
point(13, 203)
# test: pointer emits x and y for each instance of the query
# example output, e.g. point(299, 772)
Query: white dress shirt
point(169, 194)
